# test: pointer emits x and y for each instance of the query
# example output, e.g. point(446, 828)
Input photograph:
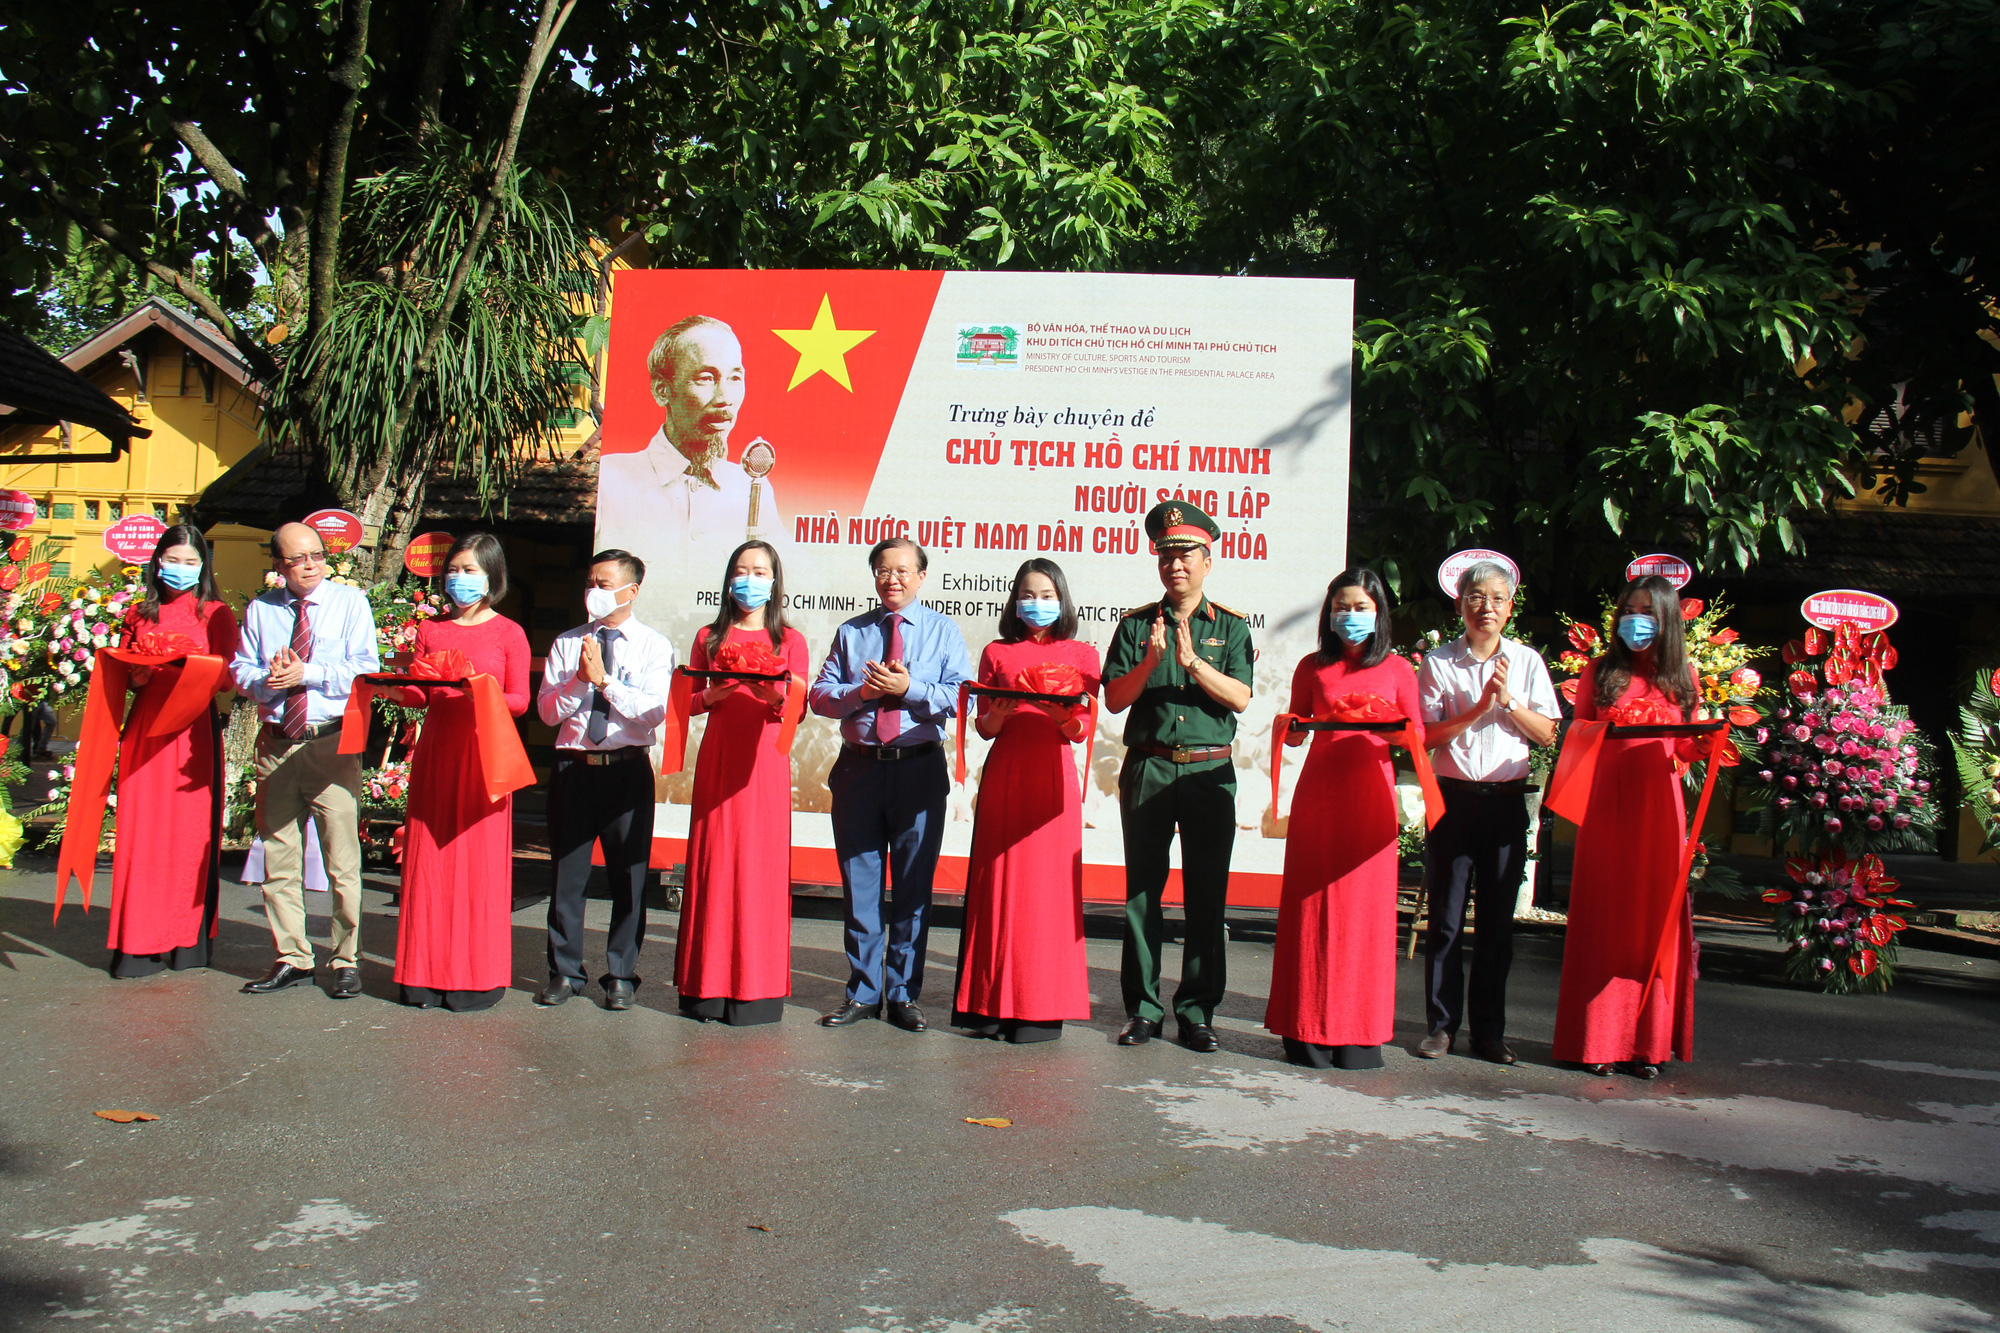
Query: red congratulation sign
point(1866, 611)
point(339, 531)
point(134, 538)
point(424, 556)
point(17, 510)
point(1457, 564)
point(1669, 567)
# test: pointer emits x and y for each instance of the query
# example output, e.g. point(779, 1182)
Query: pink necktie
point(889, 721)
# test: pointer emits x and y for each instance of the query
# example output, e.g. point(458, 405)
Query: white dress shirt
point(343, 647)
point(1492, 749)
point(648, 503)
point(637, 687)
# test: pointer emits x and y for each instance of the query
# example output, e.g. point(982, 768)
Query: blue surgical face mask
point(1637, 631)
point(1039, 612)
point(749, 591)
point(180, 577)
point(465, 589)
point(1354, 626)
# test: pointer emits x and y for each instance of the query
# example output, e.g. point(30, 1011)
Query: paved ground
point(1827, 1164)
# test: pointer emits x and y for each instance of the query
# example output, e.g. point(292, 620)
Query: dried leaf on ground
point(126, 1117)
point(758, 1226)
point(990, 1121)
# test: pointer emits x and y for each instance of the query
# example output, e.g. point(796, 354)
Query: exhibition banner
point(991, 417)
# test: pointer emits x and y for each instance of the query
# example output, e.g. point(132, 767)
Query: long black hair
point(774, 610)
point(492, 558)
point(1670, 664)
point(1375, 648)
point(180, 534)
point(1013, 629)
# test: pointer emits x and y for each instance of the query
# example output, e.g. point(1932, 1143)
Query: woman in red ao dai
point(1021, 969)
point(1333, 973)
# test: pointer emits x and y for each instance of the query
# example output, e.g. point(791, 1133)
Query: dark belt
point(1186, 754)
point(276, 734)
point(1518, 787)
point(892, 752)
point(601, 758)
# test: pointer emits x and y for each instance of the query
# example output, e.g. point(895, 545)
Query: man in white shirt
point(302, 646)
point(1486, 700)
point(679, 504)
point(605, 687)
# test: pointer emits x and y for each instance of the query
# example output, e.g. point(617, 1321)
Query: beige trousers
point(297, 780)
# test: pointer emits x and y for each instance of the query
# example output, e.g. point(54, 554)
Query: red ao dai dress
point(733, 958)
point(455, 931)
point(1021, 967)
point(1333, 973)
point(164, 873)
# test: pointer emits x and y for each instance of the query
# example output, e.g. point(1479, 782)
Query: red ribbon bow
point(201, 675)
point(1359, 707)
point(164, 643)
point(443, 664)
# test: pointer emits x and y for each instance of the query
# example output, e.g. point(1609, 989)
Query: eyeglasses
point(305, 558)
point(1480, 602)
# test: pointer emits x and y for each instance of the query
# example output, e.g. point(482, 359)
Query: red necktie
point(889, 721)
point(295, 698)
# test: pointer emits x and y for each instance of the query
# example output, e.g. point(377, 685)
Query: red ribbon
point(1364, 708)
point(200, 676)
point(1576, 772)
point(680, 707)
point(1033, 680)
point(503, 764)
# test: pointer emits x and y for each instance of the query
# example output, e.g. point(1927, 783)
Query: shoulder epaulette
point(1145, 610)
point(1227, 610)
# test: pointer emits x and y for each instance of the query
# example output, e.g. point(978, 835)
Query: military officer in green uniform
point(1183, 666)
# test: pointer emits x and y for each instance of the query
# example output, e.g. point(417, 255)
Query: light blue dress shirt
point(343, 647)
point(933, 650)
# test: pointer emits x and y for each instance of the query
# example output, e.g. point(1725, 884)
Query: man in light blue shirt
point(892, 679)
point(302, 646)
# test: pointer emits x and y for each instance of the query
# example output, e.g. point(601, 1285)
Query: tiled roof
point(561, 490)
point(39, 390)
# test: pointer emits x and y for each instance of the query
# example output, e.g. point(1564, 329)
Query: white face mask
point(601, 602)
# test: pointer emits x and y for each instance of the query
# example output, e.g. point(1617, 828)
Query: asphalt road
point(1825, 1164)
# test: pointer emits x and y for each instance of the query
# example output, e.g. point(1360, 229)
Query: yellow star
point(823, 347)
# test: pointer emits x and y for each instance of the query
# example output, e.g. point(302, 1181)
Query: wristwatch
point(1511, 704)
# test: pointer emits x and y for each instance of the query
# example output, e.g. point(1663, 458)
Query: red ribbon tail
point(503, 764)
point(964, 697)
point(96, 754)
point(680, 701)
point(1420, 759)
point(1715, 747)
point(201, 676)
point(1576, 770)
point(354, 721)
point(1281, 727)
point(1089, 741)
point(795, 708)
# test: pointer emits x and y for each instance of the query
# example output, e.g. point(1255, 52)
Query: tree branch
point(430, 80)
point(229, 182)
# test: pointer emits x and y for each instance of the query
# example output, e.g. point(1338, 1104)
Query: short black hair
point(899, 544)
point(492, 558)
point(634, 567)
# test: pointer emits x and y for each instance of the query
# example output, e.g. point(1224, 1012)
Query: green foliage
point(1976, 751)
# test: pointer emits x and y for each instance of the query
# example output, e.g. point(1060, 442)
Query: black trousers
point(610, 805)
point(1476, 853)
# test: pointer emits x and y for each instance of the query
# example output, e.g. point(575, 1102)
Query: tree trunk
point(350, 76)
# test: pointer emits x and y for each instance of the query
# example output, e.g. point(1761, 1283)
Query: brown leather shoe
point(1435, 1047)
point(1494, 1049)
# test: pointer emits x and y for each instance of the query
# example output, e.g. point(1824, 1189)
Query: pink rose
point(1874, 823)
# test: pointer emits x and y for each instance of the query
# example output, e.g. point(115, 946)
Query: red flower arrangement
point(1839, 924)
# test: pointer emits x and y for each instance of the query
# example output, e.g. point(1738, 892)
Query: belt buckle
point(1182, 755)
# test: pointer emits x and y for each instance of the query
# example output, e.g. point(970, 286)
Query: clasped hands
point(885, 680)
point(1183, 642)
point(1496, 695)
point(287, 672)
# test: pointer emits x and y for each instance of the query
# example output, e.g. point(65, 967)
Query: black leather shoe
point(618, 994)
point(850, 1011)
point(1199, 1037)
point(1138, 1032)
point(346, 983)
point(281, 976)
point(558, 990)
point(1494, 1049)
point(1640, 1069)
point(908, 1017)
point(1601, 1071)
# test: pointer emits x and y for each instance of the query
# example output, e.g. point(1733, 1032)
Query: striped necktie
point(295, 698)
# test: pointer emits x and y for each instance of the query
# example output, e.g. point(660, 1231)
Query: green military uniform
point(1181, 788)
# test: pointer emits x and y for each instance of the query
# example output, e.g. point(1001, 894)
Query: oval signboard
point(1866, 611)
point(339, 531)
point(1458, 563)
point(424, 556)
point(134, 538)
point(17, 510)
point(1669, 567)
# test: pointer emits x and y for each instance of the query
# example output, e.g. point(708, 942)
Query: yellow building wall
point(193, 441)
